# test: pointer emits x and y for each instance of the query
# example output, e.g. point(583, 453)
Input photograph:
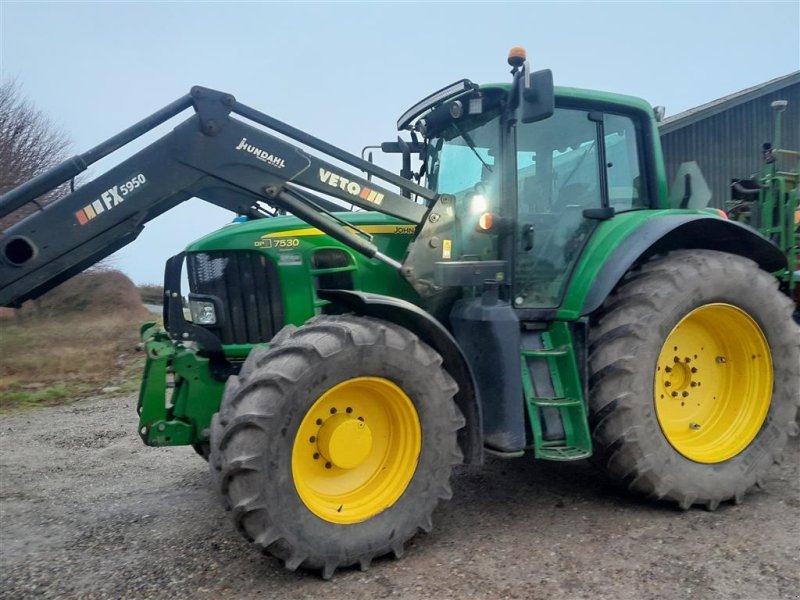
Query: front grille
point(333, 258)
point(246, 283)
point(330, 258)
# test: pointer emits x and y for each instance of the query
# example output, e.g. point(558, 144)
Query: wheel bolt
point(328, 465)
point(316, 455)
point(685, 394)
point(667, 384)
point(721, 360)
point(674, 394)
point(694, 426)
point(668, 369)
point(694, 369)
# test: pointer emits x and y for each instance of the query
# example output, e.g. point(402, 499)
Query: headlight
point(203, 313)
point(478, 204)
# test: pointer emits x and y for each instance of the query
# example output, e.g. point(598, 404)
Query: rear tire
point(642, 433)
point(307, 479)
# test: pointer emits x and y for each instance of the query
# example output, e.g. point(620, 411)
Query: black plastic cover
point(488, 331)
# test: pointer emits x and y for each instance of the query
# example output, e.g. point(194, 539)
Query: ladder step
point(559, 402)
point(562, 453)
point(546, 352)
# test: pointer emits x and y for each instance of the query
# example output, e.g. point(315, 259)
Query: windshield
point(460, 163)
point(464, 161)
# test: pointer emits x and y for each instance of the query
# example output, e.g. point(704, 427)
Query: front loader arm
point(211, 155)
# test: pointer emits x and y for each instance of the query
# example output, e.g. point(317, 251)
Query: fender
point(674, 232)
point(433, 333)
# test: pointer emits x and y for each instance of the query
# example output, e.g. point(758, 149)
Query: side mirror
point(537, 100)
point(689, 188)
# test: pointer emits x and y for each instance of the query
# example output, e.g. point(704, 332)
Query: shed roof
point(714, 107)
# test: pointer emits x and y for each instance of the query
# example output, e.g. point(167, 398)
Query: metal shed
point(725, 136)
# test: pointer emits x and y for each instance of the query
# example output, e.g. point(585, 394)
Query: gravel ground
point(89, 512)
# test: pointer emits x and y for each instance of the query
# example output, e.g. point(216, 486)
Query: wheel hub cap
point(344, 441)
point(678, 376)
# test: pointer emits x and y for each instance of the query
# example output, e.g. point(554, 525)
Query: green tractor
point(527, 290)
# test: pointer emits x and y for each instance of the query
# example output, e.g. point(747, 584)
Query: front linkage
point(178, 419)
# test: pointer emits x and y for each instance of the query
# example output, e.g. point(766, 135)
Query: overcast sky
point(345, 72)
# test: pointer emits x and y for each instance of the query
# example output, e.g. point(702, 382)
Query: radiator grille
point(246, 283)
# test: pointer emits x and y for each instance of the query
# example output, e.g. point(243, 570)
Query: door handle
point(527, 237)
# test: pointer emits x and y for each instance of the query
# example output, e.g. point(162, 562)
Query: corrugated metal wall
point(727, 145)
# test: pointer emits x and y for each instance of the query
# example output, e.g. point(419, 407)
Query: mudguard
point(663, 234)
point(433, 333)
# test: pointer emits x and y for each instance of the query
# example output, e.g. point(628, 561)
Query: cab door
point(577, 160)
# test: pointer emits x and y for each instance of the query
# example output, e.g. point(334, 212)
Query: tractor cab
point(531, 192)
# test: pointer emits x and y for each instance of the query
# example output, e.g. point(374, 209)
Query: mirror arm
point(687, 190)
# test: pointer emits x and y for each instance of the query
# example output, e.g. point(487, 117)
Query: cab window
point(626, 188)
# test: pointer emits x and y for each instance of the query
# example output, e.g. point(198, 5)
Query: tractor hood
point(248, 235)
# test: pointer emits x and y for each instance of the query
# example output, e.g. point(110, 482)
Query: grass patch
point(74, 341)
point(52, 395)
point(52, 360)
point(152, 294)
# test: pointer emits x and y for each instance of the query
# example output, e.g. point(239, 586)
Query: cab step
point(563, 453)
point(553, 393)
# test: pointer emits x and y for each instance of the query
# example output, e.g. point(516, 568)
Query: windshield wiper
point(471, 145)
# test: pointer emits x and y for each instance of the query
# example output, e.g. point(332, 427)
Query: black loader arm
point(212, 155)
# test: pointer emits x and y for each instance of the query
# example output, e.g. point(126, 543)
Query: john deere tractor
point(521, 287)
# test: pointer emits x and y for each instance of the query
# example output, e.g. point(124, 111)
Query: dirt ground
point(87, 511)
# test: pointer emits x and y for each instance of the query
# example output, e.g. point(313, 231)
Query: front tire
point(694, 378)
point(202, 449)
point(335, 445)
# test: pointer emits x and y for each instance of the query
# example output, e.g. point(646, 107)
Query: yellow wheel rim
point(713, 383)
point(356, 450)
